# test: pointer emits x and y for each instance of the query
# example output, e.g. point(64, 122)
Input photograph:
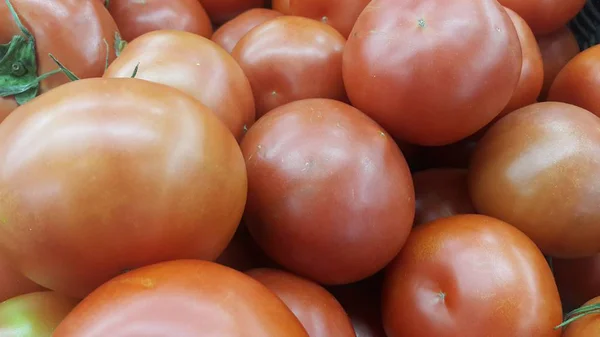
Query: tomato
point(13, 283)
point(340, 14)
point(103, 175)
point(135, 17)
point(431, 72)
point(34, 315)
point(194, 65)
point(318, 311)
point(80, 34)
point(587, 326)
point(577, 83)
point(230, 33)
point(536, 169)
point(557, 49)
point(545, 16)
point(291, 58)
point(243, 253)
point(532, 70)
point(221, 11)
point(470, 275)
point(330, 196)
point(185, 298)
point(441, 193)
point(578, 280)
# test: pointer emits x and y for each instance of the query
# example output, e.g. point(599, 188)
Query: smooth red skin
point(185, 298)
point(290, 58)
point(495, 280)
point(221, 11)
point(125, 172)
point(196, 66)
point(532, 70)
point(545, 16)
point(317, 309)
point(578, 280)
point(340, 14)
point(577, 83)
point(537, 169)
point(588, 326)
point(330, 196)
point(34, 315)
point(231, 32)
point(438, 84)
point(441, 193)
point(557, 50)
point(84, 54)
point(13, 283)
point(136, 18)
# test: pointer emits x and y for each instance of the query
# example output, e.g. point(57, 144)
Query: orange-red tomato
point(340, 14)
point(194, 65)
point(557, 50)
point(185, 298)
point(578, 280)
point(291, 58)
point(13, 283)
point(545, 16)
point(587, 326)
point(103, 175)
point(470, 276)
point(230, 33)
point(220, 11)
point(432, 72)
point(330, 196)
point(318, 311)
point(136, 18)
point(80, 34)
point(537, 169)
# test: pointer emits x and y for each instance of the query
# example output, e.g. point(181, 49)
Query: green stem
point(107, 54)
point(135, 70)
point(577, 314)
point(120, 44)
point(64, 69)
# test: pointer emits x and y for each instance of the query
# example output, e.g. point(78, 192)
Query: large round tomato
point(330, 195)
point(578, 280)
point(578, 82)
point(588, 325)
point(441, 193)
point(340, 14)
point(80, 34)
point(13, 283)
point(291, 58)
point(194, 65)
point(186, 298)
point(470, 276)
point(537, 169)
point(318, 311)
point(230, 33)
point(34, 314)
point(432, 72)
point(135, 17)
point(102, 175)
point(545, 16)
point(220, 11)
point(557, 49)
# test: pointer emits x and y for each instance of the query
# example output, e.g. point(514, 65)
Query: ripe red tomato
point(135, 17)
point(194, 65)
point(318, 311)
point(330, 195)
point(587, 326)
point(291, 58)
point(537, 169)
point(532, 70)
point(340, 14)
point(103, 175)
point(557, 49)
point(13, 283)
point(230, 33)
point(52, 25)
point(470, 276)
point(577, 83)
point(545, 16)
point(186, 298)
point(221, 11)
point(578, 280)
point(441, 193)
point(431, 72)
point(34, 315)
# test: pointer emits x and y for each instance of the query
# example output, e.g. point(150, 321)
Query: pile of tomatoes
point(298, 168)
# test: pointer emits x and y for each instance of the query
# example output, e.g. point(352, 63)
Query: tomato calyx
point(586, 310)
point(120, 44)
